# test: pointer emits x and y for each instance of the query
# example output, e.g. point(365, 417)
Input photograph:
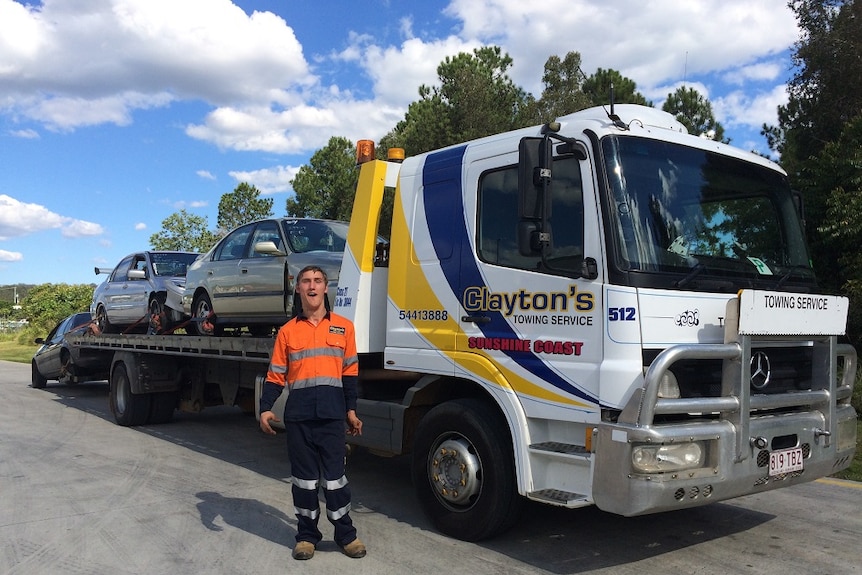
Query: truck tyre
point(37, 380)
point(463, 470)
point(129, 409)
point(162, 406)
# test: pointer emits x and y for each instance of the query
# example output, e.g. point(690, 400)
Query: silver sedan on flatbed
point(246, 280)
point(143, 293)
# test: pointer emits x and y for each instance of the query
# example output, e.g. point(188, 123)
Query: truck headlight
point(668, 387)
point(665, 458)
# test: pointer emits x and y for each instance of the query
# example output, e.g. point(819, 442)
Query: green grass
point(12, 348)
point(854, 472)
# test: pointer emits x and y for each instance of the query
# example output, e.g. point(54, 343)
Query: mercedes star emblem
point(761, 371)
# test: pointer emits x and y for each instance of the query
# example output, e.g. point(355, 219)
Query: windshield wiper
point(789, 274)
point(693, 273)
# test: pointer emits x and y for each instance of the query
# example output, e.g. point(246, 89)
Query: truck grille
point(790, 369)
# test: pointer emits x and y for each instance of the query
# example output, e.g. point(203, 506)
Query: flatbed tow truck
point(603, 310)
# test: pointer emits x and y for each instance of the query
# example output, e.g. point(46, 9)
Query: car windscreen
point(172, 264)
point(315, 235)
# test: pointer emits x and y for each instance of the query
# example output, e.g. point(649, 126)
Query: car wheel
point(102, 322)
point(202, 316)
point(67, 369)
point(37, 380)
point(158, 316)
point(463, 470)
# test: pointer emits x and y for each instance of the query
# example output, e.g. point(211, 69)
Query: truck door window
point(498, 219)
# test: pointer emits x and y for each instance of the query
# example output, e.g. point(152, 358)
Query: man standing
point(315, 356)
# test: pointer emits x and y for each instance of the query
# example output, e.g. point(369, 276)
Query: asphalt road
point(208, 493)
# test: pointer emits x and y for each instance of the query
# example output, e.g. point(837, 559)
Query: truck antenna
point(612, 116)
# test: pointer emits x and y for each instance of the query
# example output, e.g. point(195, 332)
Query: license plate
point(785, 461)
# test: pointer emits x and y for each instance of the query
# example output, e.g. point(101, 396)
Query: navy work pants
point(316, 450)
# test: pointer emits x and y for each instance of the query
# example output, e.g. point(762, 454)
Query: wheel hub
point(454, 470)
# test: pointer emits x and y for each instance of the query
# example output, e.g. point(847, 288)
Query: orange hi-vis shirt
point(318, 364)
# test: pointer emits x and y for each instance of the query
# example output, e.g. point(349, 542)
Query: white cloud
point(660, 45)
point(398, 71)
point(27, 134)
point(100, 61)
point(7, 256)
point(20, 219)
point(652, 44)
point(761, 71)
point(72, 64)
point(206, 175)
point(78, 228)
point(741, 109)
point(140, 226)
point(67, 113)
point(268, 180)
point(266, 129)
point(183, 204)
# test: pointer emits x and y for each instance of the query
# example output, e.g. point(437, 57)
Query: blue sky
point(115, 114)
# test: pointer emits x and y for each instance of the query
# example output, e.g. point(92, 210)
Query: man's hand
point(266, 418)
point(354, 424)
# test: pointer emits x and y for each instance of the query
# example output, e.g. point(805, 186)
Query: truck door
point(537, 319)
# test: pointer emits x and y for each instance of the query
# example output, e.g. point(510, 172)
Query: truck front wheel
point(463, 470)
point(129, 409)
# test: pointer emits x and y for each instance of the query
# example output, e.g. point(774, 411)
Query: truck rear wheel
point(129, 409)
point(463, 470)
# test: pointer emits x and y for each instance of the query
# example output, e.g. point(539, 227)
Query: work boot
point(355, 549)
point(305, 550)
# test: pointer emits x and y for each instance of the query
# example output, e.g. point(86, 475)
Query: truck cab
point(605, 288)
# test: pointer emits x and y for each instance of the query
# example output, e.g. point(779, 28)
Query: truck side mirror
point(534, 178)
point(532, 236)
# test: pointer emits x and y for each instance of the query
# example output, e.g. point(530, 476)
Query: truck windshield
point(688, 217)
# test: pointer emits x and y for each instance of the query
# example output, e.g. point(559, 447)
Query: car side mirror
point(268, 248)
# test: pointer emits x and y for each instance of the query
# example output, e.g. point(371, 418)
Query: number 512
point(621, 314)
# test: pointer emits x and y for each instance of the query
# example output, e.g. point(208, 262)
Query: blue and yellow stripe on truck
point(442, 189)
